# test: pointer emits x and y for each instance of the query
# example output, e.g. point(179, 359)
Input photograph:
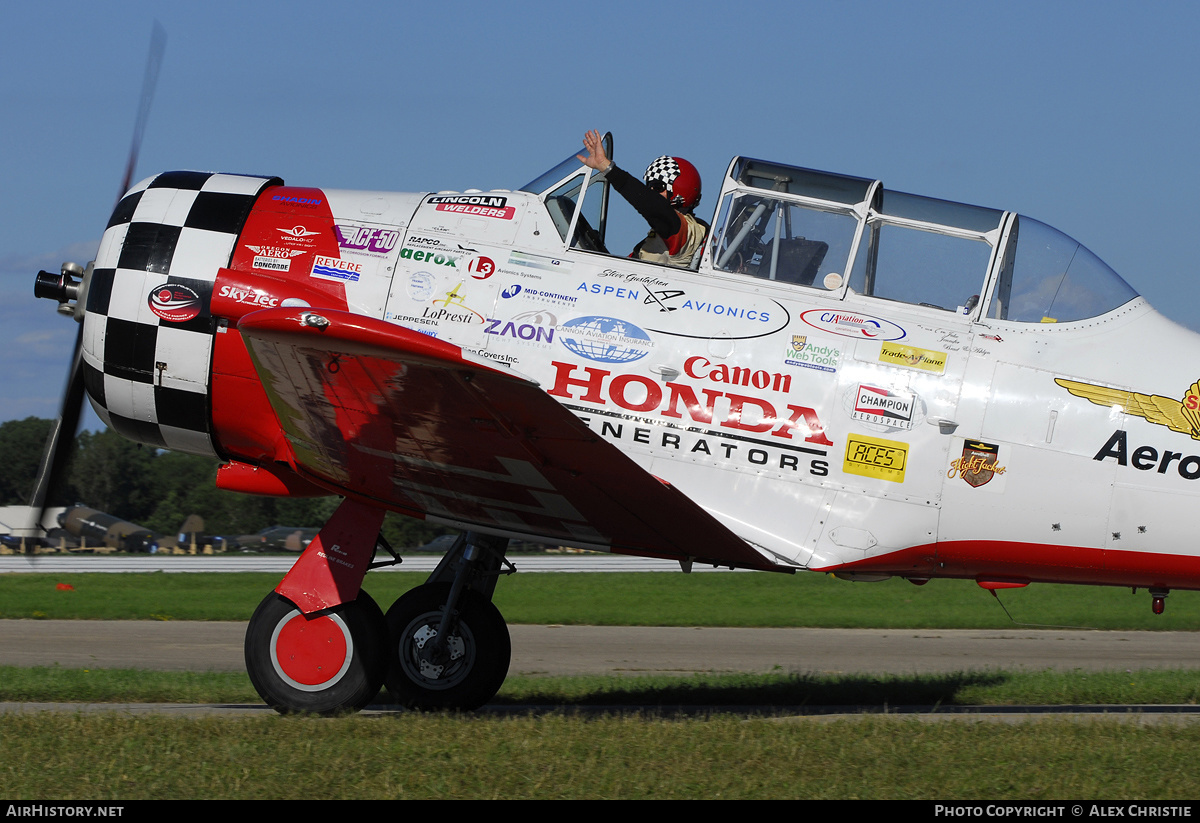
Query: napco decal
point(485, 205)
point(1145, 458)
point(1181, 416)
point(809, 356)
point(605, 339)
point(366, 239)
point(331, 268)
point(875, 457)
point(174, 303)
point(883, 409)
point(913, 358)
point(852, 324)
point(249, 297)
point(978, 465)
point(531, 327)
point(537, 261)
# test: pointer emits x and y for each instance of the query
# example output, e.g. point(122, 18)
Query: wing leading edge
point(387, 414)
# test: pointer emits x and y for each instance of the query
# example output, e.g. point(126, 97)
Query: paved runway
point(566, 650)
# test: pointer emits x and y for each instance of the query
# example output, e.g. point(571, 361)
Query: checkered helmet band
point(664, 169)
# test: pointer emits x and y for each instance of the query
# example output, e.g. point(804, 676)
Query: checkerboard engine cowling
point(148, 378)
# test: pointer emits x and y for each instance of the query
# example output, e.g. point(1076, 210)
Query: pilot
point(670, 192)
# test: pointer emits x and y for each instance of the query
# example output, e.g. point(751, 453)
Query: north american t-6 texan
point(842, 379)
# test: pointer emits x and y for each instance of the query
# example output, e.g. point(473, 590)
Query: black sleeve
point(662, 218)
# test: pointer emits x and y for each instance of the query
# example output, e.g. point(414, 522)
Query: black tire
point(291, 658)
point(480, 651)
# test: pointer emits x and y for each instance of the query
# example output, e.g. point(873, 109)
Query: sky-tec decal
point(1181, 416)
point(249, 297)
point(1145, 458)
point(476, 205)
point(912, 357)
point(174, 303)
point(811, 356)
point(366, 239)
point(605, 339)
point(331, 268)
point(852, 324)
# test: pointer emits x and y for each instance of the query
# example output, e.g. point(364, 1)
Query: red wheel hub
point(311, 652)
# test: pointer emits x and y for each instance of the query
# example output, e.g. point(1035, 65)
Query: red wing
point(392, 415)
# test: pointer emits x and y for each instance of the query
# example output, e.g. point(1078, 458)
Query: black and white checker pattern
point(664, 169)
point(149, 378)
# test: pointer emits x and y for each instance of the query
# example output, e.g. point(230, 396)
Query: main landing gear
point(442, 645)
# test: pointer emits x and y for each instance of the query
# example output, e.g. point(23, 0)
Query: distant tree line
point(159, 489)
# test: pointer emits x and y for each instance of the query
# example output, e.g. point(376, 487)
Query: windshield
point(547, 180)
point(1047, 277)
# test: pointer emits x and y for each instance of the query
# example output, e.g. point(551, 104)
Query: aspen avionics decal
point(978, 465)
point(475, 205)
point(875, 457)
point(913, 358)
point(853, 324)
point(883, 409)
point(1181, 416)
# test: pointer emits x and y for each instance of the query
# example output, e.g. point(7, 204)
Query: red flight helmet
point(678, 178)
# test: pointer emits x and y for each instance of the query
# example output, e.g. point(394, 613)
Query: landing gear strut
point(448, 645)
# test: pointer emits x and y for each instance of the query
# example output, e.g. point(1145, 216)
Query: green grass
point(113, 757)
point(660, 599)
point(55, 684)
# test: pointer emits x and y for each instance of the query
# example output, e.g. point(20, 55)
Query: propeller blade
point(61, 442)
point(158, 44)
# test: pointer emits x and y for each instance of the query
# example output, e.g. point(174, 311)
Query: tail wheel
point(326, 663)
point(465, 671)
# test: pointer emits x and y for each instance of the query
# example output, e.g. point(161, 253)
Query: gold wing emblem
point(1162, 411)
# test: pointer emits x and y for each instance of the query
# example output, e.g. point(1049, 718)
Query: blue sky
point(1080, 114)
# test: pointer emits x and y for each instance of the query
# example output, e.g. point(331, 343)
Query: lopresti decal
point(1181, 416)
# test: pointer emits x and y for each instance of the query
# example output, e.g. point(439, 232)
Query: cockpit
point(843, 235)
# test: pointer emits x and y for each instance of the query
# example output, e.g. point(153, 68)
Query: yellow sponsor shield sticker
point(913, 358)
point(875, 457)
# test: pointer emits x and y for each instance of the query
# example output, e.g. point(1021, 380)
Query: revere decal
point(911, 357)
point(728, 410)
point(853, 324)
point(174, 303)
point(366, 239)
point(810, 356)
point(978, 465)
point(875, 457)
point(331, 268)
point(605, 339)
point(1145, 458)
point(883, 409)
point(1181, 416)
point(477, 205)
